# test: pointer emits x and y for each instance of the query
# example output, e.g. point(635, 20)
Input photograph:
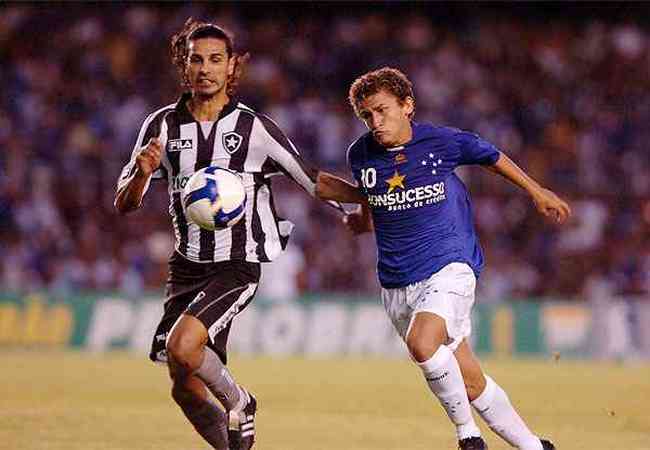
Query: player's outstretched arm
point(546, 201)
point(130, 191)
point(331, 187)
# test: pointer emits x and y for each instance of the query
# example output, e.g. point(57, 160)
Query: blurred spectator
point(281, 279)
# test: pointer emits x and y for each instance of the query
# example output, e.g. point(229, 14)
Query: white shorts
point(448, 293)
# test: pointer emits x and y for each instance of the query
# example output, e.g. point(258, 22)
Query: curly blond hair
point(386, 79)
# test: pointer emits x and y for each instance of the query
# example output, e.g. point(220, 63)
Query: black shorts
point(212, 292)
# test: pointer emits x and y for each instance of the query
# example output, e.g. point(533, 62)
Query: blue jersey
point(421, 210)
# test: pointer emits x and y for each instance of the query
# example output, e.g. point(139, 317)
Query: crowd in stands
point(570, 103)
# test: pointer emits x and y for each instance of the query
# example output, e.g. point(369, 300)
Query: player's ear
point(408, 106)
point(232, 63)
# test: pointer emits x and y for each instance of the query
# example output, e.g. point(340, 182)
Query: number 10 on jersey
point(369, 177)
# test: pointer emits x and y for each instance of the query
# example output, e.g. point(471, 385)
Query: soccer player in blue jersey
point(429, 256)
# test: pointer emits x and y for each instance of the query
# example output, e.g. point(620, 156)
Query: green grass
point(75, 401)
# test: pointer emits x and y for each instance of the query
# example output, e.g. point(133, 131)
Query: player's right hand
point(550, 205)
point(148, 159)
point(357, 222)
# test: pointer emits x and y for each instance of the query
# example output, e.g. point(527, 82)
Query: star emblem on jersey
point(231, 141)
point(396, 181)
point(433, 163)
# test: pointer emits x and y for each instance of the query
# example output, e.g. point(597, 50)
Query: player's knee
point(425, 336)
point(184, 352)
point(420, 349)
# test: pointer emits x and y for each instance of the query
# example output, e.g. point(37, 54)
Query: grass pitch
point(79, 401)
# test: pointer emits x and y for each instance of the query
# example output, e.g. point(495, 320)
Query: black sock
point(209, 421)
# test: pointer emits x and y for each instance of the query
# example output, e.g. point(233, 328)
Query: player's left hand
point(550, 205)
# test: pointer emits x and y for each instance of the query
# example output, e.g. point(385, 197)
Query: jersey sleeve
point(475, 150)
point(282, 151)
point(150, 128)
point(350, 158)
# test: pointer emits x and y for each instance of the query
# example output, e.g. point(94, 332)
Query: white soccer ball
point(214, 198)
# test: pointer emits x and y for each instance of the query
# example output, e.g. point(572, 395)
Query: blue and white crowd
point(570, 103)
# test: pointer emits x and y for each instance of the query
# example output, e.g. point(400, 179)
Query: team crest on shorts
point(231, 141)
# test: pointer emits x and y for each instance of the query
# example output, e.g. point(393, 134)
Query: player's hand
point(356, 222)
point(550, 205)
point(149, 158)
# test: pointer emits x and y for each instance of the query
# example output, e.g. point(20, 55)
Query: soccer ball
point(214, 198)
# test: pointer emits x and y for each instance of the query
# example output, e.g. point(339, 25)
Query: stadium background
point(563, 89)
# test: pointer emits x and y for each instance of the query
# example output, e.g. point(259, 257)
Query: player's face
point(387, 118)
point(208, 66)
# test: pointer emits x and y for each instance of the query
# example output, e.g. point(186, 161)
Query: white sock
point(495, 409)
point(446, 382)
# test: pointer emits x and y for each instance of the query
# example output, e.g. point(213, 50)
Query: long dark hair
point(196, 29)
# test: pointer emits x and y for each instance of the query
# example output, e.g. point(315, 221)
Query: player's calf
point(206, 417)
point(492, 403)
point(471, 369)
point(219, 381)
point(443, 377)
point(425, 342)
point(494, 407)
point(240, 406)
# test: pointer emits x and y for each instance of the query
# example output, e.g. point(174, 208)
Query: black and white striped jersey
point(240, 140)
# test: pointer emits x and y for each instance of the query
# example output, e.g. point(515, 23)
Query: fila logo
point(176, 145)
point(231, 141)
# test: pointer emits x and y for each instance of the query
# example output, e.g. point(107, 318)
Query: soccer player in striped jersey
point(214, 274)
point(429, 257)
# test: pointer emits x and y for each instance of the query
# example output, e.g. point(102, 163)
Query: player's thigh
point(471, 370)
point(187, 335)
point(186, 282)
point(227, 294)
point(172, 311)
point(449, 293)
point(413, 315)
